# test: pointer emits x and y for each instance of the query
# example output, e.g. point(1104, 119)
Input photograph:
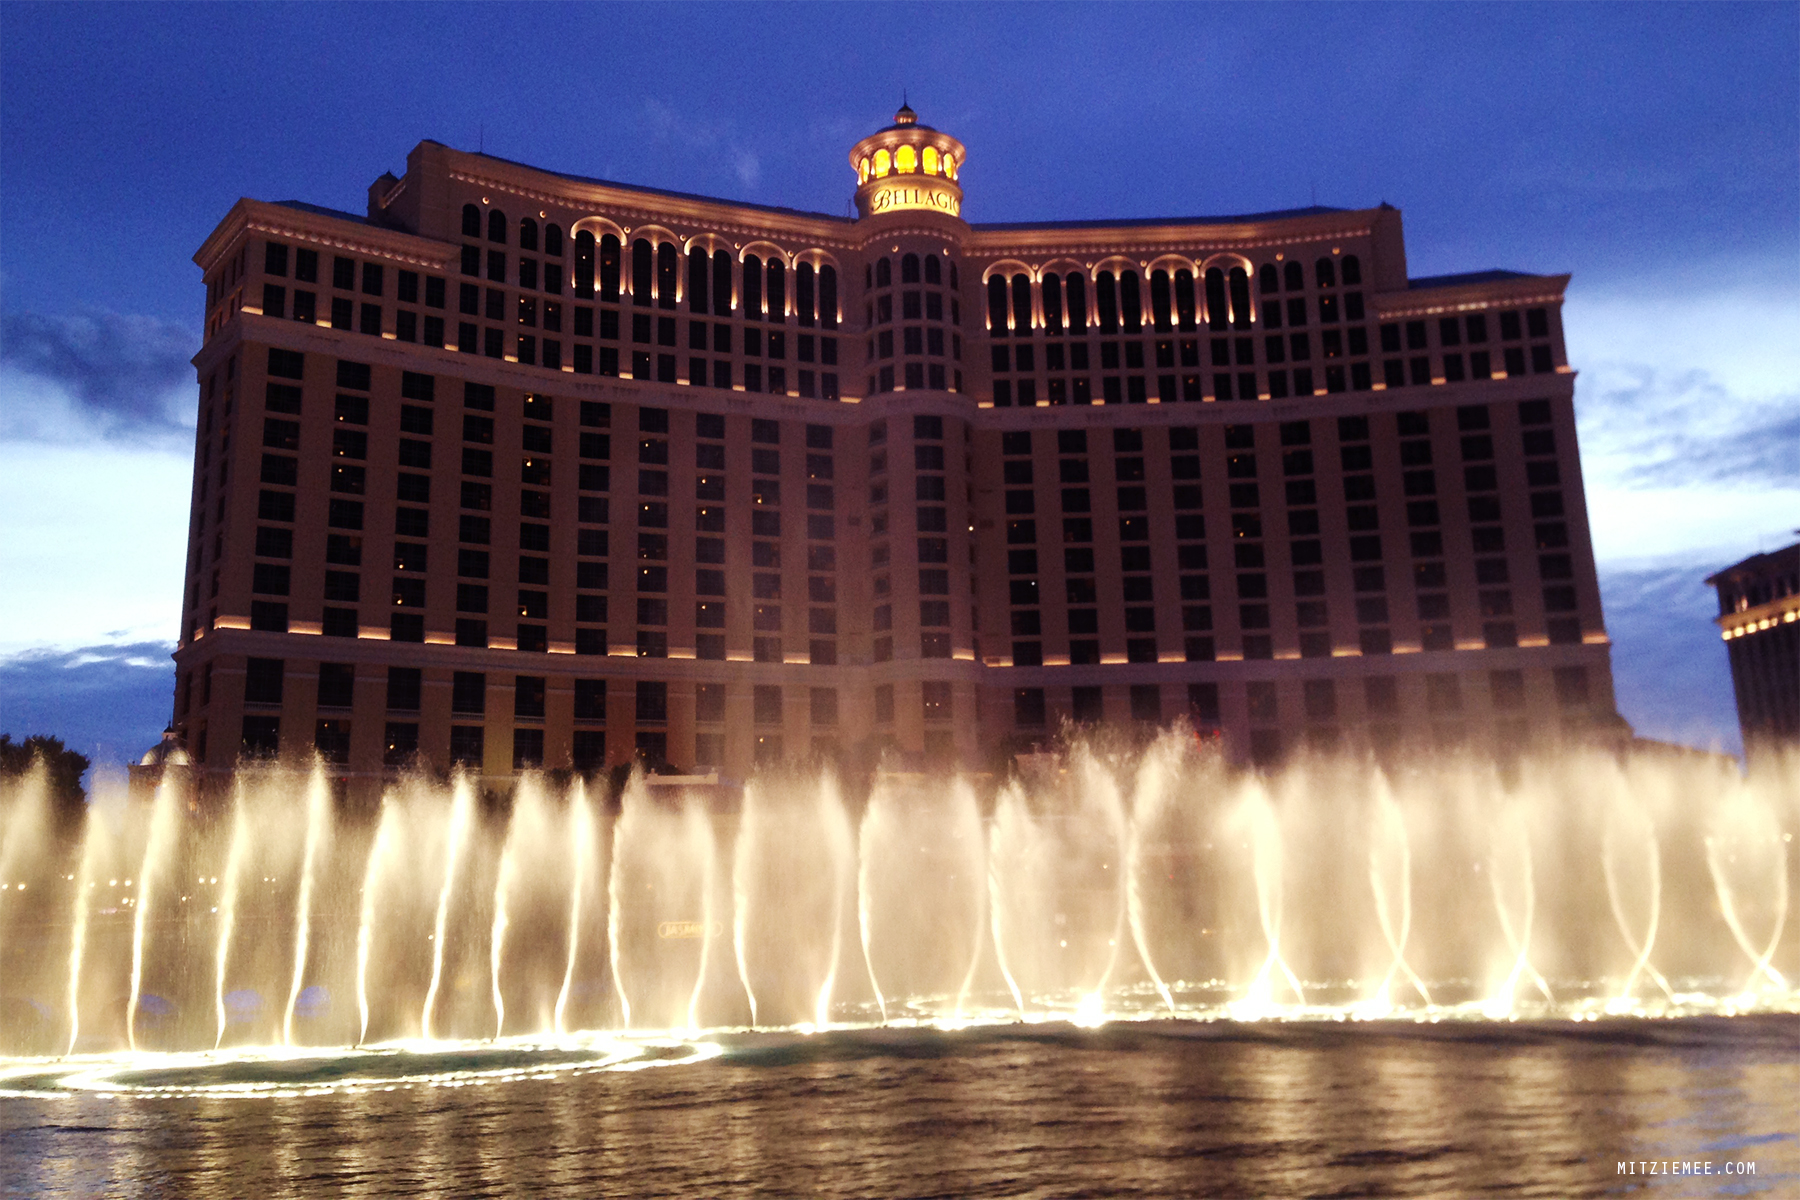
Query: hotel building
point(527, 469)
point(1759, 618)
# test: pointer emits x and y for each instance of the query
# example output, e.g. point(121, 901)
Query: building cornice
point(1507, 293)
point(320, 229)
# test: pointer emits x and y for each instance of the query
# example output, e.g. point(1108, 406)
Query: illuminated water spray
point(1629, 830)
point(228, 897)
point(1011, 822)
point(743, 863)
point(1390, 879)
point(1266, 870)
point(462, 814)
point(385, 834)
point(318, 828)
point(581, 837)
point(1154, 788)
point(1752, 832)
point(867, 836)
point(84, 886)
point(164, 814)
point(1515, 901)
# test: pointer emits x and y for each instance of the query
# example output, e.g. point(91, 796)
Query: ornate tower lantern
point(908, 167)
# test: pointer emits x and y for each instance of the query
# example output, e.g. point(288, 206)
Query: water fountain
point(559, 927)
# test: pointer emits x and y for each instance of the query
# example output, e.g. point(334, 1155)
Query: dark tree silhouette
point(65, 766)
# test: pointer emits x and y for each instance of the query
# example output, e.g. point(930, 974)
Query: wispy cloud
point(1653, 427)
point(717, 138)
point(94, 373)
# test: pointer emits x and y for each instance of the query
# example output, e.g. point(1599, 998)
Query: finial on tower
point(906, 116)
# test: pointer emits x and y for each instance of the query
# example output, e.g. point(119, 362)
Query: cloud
point(115, 374)
point(717, 140)
point(108, 701)
point(1651, 427)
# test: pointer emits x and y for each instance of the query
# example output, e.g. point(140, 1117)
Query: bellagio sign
point(896, 196)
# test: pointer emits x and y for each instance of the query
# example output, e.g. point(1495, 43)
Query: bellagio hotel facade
point(522, 469)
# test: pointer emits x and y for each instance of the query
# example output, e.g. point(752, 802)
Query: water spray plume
point(581, 850)
point(164, 812)
point(318, 828)
point(1392, 912)
point(234, 868)
point(385, 835)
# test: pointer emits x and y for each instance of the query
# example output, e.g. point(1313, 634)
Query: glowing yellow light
point(862, 170)
point(882, 164)
point(931, 160)
point(950, 166)
point(906, 160)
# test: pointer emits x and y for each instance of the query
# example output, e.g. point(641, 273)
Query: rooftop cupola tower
point(908, 166)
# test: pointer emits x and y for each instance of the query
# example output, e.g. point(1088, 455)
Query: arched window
point(997, 305)
point(610, 254)
point(1217, 316)
point(527, 234)
point(643, 269)
point(471, 221)
point(699, 275)
point(777, 290)
point(884, 274)
point(934, 270)
point(497, 226)
point(883, 163)
point(553, 240)
point(668, 275)
point(803, 293)
point(1268, 280)
point(906, 160)
point(1106, 302)
point(909, 269)
point(1325, 272)
point(1240, 298)
point(1184, 299)
point(721, 287)
point(752, 302)
point(828, 302)
point(931, 160)
point(1352, 270)
point(1131, 305)
point(1052, 290)
point(862, 170)
point(1295, 276)
point(1160, 302)
point(584, 265)
point(950, 166)
point(1078, 321)
point(1021, 298)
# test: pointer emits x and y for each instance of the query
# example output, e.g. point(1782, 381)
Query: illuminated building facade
point(526, 469)
point(1759, 618)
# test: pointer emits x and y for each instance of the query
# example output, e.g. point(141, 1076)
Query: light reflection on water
point(1134, 1107)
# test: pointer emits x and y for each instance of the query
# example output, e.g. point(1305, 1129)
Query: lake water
point(1135, 1108)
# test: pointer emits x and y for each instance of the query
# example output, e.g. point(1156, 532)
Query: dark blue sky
point(1652, 150)
point(1591, 138)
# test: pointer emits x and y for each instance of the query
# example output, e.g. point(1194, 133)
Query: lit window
point(882, 163)
point(931, 160)
point(906, 160)
point(862, 172)
point(950, 166)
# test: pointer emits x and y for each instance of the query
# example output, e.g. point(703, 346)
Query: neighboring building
point(1759, 618)
point(525, 468)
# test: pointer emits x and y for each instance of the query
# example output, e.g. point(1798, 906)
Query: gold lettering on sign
point(906, 196)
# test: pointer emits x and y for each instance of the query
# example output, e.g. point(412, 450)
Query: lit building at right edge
point(1759, 618)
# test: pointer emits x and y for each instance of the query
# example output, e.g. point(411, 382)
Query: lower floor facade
point(371, 710)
